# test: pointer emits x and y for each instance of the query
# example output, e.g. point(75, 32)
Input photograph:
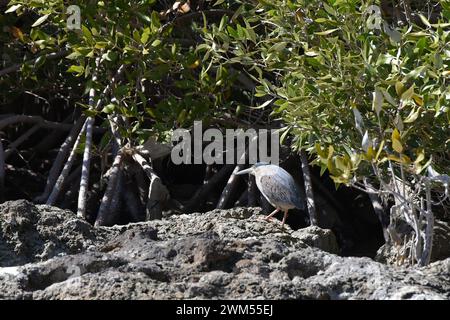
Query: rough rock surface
point(47, 253)
point(30, 233)
point(389, 254)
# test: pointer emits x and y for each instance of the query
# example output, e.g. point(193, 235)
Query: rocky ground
point(48, 253)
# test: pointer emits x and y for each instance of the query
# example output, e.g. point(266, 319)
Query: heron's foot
point(269, 217)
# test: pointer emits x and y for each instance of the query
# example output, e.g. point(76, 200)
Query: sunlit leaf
point(327, 32)
point(396, 142)
point(40, 21)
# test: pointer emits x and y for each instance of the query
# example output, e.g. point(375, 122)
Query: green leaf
point(77, 69)
point(399, 88)
point(87, 34)
point(396, 142)
point(155, 23)
point(379, 150)
point(101, 44)
point(265, 104)
point(13, 8)
point(136, 36)
point(389, 98)
point(40, 21)
point(39, 61)
point(424, 20)
point(250, 34)
point(223, 21)
point(74, 55)
point(377, 101)
point(143, 17)
point(109, 109)
point(329, 9)
point(418, 99)
point(145, 35)
point(420, 156)
point(110, 56)
point(414, 114)
point(278, 47)
point(416, 72)
point(311, 53)
point(327, 32)
point(156, 43)
point(408, 94)
point(284, 134)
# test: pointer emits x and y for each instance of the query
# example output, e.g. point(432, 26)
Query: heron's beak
point(249, 170)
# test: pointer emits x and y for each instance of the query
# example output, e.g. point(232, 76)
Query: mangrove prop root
point(200, 196)
point(60, 158)
point(157, 192)
point(308, 188)
point(64, 173)
point(110, 189)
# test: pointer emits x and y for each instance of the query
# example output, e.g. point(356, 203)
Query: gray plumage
point(277, 186)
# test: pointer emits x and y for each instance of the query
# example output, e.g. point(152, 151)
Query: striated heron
point(277, 186)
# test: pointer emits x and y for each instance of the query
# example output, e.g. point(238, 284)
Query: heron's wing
point(280, 190)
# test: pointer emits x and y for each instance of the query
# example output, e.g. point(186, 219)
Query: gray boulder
point(222, 254)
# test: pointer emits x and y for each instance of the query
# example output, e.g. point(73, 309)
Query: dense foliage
point(368, 98)
point(322, 66)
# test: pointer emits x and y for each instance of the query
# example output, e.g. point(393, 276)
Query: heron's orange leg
point(284, 218)
point(272, 214)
